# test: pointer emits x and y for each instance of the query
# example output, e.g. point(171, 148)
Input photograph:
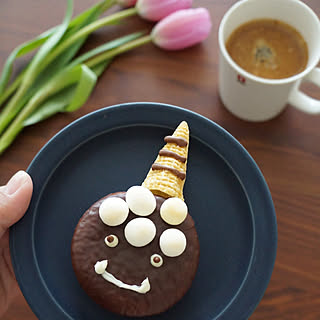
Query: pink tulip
point(182, 29)
point(156, 10)
point(127, 3)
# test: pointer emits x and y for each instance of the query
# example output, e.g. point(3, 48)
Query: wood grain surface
point(287, 149)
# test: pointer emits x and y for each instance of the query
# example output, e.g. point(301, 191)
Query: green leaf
point(98, 70)
point(68, 91)
point(82, 19)
point(85, 31)
point(20, 51)
point(35, 66)
point(53, 105)
point(66, 55)
point(62, 59)
point(72, 97)
point(97, 8)
point(70, 44)
point(84, 88)
point(38, 62)
point(60, 101)
point(68, 96)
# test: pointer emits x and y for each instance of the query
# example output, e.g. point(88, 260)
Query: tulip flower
point(127, 3)
point(182, 29)
point(177, 31)
point(156, 10)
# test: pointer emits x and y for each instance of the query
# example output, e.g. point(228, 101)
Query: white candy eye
point(156, 260)
point(113, 211)
point(140, 231)
point(173, 211)
point(141, 200)
point(111, 241)
point(172, 242)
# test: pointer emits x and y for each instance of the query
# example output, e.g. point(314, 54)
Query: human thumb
point(14, 199)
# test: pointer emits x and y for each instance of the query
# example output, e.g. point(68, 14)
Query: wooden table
point(287, 149)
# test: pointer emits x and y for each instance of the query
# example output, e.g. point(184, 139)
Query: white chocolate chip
point(173, 211)
point(154, 262)
point(172, 242)
point(141, 200)
point(113, 211)
point(140, 231)
point(111, 240)
point(101, 266)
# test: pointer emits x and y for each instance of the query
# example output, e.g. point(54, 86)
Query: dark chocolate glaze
point(181, 142)
point(132, 265)
point(168, 153)
point(181, 175)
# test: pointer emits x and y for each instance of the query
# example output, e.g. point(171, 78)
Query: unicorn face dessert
point(136, 252)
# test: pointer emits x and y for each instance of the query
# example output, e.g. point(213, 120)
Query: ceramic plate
point(112, 149)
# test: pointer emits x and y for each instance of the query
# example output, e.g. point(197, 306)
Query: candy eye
point(172, 242)
point(156, 260)
point(111, 241)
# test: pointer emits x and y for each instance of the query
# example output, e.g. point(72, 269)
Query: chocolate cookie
point(168, 277)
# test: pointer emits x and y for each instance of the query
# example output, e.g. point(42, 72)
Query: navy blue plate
point(112, 149)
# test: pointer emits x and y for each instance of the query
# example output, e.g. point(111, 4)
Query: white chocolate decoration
point(111, 241)
point(172, 242)
point(101, 268)
point(156, 260)
point(173, 211)
point(141, 200)
point(113, 211)
point(140, 231)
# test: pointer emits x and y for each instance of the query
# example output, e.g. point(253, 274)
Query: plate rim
point(226, 313)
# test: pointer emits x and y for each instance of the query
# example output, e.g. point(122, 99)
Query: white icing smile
point(101, 268)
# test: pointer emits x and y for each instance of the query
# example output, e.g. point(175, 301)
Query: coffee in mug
point(268, 48)
point(262, 97)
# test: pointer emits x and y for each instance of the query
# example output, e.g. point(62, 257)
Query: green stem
point(121, 49)
point(13, 107)
point(13, 87)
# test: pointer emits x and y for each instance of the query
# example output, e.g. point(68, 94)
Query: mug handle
point(300, 100)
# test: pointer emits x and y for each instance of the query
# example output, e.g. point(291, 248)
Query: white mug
point(258, 99)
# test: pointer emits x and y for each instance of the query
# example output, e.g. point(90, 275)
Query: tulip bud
point(156, 10)
point(127, 3)
point(182, 29)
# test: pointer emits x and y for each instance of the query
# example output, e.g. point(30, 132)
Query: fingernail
point(16, 182)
